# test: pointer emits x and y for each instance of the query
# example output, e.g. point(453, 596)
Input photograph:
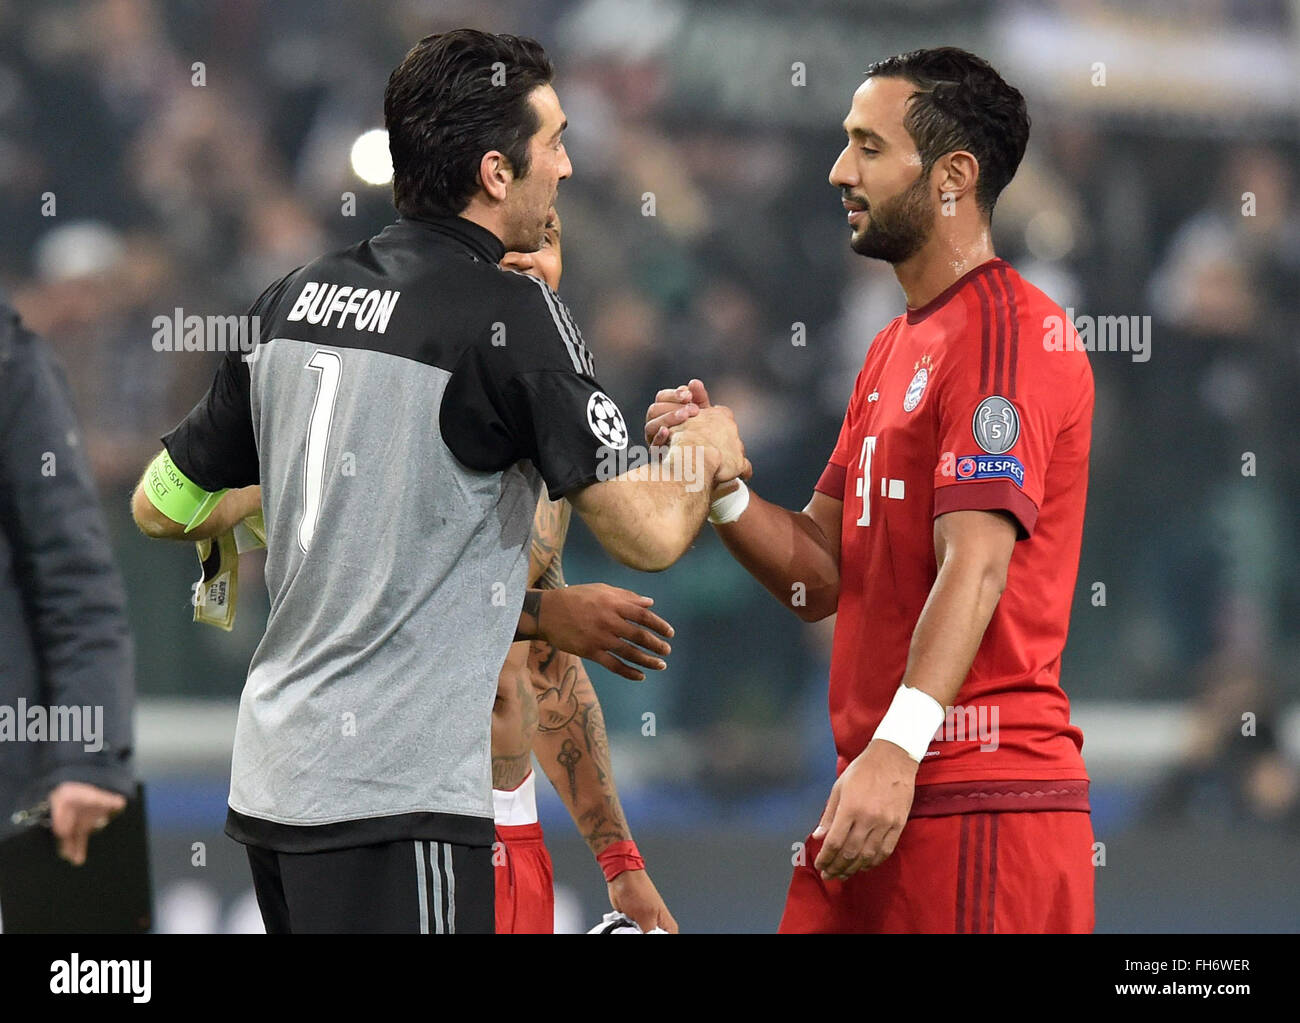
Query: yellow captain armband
point(176, 495)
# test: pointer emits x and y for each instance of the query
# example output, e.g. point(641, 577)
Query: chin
point(531, 241)
point(863, 245)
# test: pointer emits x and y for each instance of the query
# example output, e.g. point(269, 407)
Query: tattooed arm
point(545, 704)
point(550, 530)
point(602, 623)
point(570, 740)
point(573, 749)
point(514, 714)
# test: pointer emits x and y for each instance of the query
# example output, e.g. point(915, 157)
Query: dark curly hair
point(962, 103)
point(454, 97)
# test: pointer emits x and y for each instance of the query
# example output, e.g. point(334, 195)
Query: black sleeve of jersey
point(214, 445)
point(533, 397)
point(576, 428)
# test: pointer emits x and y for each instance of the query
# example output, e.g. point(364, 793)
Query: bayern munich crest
point(996, 425)
point(606, 421)
point(916, 389)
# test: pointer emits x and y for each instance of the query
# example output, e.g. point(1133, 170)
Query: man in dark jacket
point(66, 658)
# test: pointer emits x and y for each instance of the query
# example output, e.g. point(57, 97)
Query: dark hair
point(962, 103)
point(454, 97)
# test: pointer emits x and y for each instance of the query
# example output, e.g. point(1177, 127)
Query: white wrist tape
point(728, 507)
point(911, 721)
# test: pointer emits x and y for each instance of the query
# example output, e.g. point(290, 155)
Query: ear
point(956, 173)
point(495, 174)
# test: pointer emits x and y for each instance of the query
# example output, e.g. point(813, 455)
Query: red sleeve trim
point(988, 495)
point(832, 481)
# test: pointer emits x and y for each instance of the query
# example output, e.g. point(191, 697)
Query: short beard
point(897, 229)
point(526, 234)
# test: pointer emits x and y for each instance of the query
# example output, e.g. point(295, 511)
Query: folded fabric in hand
point(620, 923)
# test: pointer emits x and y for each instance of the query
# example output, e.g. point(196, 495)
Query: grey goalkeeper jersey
point(404, 403)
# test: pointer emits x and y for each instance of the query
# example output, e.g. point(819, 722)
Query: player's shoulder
point(1045, 330)
point(538, 318)
point(524, 292)
point(1023, 300)
point(1007, 337)
point(276, 291)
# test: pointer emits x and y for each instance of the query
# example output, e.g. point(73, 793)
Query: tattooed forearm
point(550, 527)
point(553, 577)
point(530, 617)
point(593, 731)
point(555, 674)
point(568, 757)
point(576, 756)
point(604, 825)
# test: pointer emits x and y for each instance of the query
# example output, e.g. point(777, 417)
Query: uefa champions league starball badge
point(606, 421)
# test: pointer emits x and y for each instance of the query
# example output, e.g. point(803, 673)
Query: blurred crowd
point(156, 155)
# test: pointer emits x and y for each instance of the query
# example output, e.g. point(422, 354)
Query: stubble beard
point(897, 228)
point(527, 228)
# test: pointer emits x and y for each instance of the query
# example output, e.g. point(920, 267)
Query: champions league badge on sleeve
point(996, 425)
point(606, 421)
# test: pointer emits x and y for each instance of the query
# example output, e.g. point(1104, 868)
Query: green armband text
point(176, 495)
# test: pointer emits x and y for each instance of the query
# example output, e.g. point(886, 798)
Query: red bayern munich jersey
point(962, 405)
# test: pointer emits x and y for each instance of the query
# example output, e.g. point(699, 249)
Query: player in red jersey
point(945, 532)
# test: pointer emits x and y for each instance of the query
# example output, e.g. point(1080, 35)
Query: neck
point(487, 217)
point(945, 258)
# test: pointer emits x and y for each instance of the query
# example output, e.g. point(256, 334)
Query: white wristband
point(911, 721)
point(728, 507)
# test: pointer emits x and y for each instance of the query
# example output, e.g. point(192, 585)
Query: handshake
point(682, 417)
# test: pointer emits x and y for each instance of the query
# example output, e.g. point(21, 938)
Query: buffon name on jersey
point(370, 309)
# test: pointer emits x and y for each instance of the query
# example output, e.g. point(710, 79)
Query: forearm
point(545, 558)
point(234, 507)
point(950, 629)
point(573, 749)
point(530, 617)
point(545, 563)
point(788, 554)
point(649, 516)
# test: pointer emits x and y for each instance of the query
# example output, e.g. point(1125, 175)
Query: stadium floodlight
point(371, 161)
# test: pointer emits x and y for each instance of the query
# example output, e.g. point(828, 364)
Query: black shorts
point(408, 887)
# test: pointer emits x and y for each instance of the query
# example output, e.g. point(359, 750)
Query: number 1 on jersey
point(327, 366)
point(863, 488)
